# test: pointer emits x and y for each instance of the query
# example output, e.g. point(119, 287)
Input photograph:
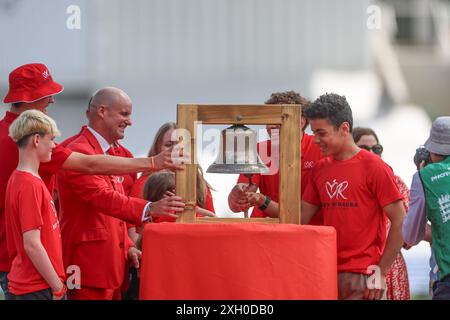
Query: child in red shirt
point(161, 185)
point(33, 234)
point(356, 192)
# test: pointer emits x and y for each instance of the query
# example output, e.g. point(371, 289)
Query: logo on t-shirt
point(119, 179)
point(52, 205)
point(56, 223)
point(335, 189)
point(444, 207)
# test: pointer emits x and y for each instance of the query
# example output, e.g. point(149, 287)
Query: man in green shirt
point(430, 199)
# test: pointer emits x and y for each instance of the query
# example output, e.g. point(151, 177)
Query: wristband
point(152, 160)
point(60, 293)
point(265, 205)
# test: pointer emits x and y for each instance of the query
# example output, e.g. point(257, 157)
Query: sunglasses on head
point(377, 149)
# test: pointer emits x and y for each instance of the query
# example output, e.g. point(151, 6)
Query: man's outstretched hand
point(173, 159)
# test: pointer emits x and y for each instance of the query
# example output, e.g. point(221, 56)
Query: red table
point(238, 261)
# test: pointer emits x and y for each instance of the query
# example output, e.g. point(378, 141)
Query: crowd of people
point(81, 203)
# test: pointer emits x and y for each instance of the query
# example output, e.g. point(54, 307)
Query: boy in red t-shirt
point(32, 227)
point(265, 203)
point(355, 191)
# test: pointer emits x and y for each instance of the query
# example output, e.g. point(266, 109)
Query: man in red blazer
point(94, 209)
point(128, 180)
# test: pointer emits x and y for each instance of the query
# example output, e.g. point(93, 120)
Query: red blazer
point(93, 216)
point(119, 151)
point(128, 179)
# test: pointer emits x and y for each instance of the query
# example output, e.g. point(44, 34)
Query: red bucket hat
point(31, 82)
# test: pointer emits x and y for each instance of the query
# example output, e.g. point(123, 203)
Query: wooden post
point(289, 186)
point(186, 180)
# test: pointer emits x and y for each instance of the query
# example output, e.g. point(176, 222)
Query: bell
point(238, 154)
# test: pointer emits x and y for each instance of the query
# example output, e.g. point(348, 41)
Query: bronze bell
point(238, 154)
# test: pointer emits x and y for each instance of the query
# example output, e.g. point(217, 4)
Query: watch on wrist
point(148, 215)
point(266, 204)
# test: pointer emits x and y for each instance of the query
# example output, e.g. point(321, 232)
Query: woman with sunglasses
point(397, 278)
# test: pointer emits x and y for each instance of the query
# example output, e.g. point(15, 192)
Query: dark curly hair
point(332, 107)
point(290, 97)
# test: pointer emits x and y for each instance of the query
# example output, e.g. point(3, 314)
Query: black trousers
point(4, 284)
point(133, 290)
point(441, 289)
point(38, 295)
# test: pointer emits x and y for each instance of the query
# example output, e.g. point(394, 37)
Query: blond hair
point(32, 122)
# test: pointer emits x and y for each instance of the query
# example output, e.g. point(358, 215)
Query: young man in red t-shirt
point(265, 203)
point(33, 234)
point(355, 191)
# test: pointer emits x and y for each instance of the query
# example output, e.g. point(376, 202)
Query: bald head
point(108, 97)
point(109, 112)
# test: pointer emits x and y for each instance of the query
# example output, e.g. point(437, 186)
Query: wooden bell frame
point(287, 116)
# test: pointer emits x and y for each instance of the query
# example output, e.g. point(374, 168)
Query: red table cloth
point(238, 261)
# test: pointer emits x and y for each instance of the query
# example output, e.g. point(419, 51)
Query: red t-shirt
point(352, 194)
point(137, 190)
point(29, 206)
point(47, 170)
point(268, 183)
point(9, 156)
